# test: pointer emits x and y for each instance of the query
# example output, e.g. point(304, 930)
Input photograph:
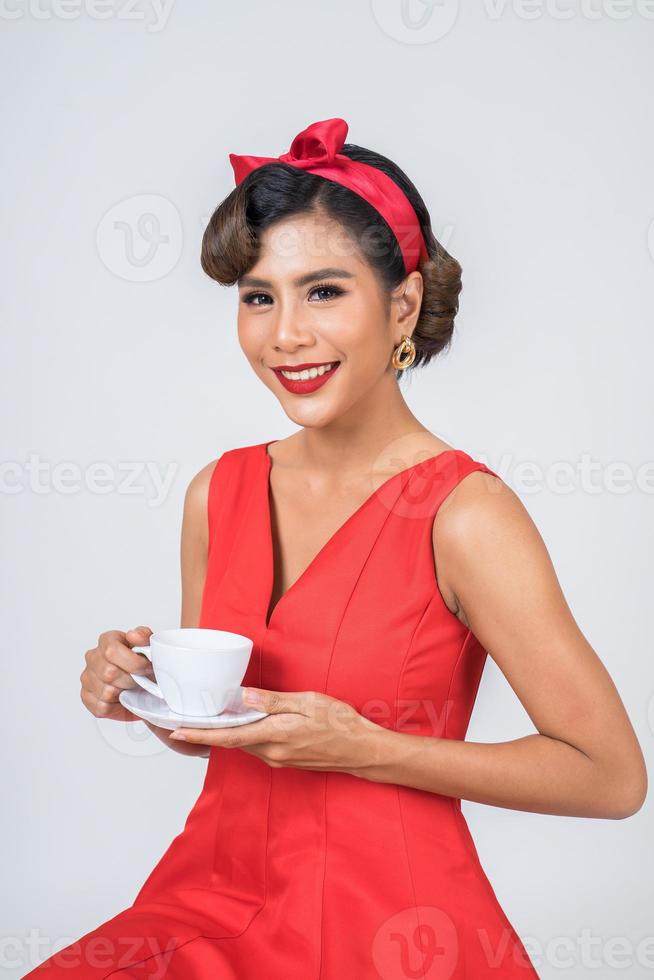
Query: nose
point(289, 328)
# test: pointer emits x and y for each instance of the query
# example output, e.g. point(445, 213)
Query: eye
point(249, 298)
point(327, 287)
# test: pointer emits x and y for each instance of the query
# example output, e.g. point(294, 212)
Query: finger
point(110, 635)
point(275, 702)
point(120, 654)
point(138, 635)
point(101, 698)
point(99, 708)
point(231, 737)
point(106, 682)
point(110, 668)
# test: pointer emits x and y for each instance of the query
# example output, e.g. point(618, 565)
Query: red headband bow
point(315, 150)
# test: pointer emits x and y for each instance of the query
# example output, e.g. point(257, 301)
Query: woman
point(328, 840)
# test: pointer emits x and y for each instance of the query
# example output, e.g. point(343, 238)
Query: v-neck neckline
point(270, 549)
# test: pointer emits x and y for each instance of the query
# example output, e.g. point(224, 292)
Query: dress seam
point(265, 887)
point(398, 794)
point(464, 644)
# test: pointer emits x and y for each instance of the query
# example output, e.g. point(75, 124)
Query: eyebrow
point(328, 273)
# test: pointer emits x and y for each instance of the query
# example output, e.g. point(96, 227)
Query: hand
point(108, 669)
point(304, 730)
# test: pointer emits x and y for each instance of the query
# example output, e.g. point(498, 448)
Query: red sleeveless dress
point(291, 874)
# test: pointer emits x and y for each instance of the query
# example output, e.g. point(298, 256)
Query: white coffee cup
point(197, 670)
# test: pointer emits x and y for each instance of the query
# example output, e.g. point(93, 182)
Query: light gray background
point(528, 132)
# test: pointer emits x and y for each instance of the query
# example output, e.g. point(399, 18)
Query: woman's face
point(311, 299)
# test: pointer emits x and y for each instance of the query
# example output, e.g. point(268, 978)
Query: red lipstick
point(311, 384)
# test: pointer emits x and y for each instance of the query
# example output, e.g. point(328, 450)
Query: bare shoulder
point(480, 519)
point(478, 497)
point(196, 501)
point(197, 492)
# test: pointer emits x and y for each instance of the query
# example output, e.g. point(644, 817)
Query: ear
point(406, 301)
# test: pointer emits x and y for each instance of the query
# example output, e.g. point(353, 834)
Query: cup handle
point(145, 682)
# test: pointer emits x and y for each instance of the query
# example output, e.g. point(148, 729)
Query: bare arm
point(193, 561)
point(585, 760)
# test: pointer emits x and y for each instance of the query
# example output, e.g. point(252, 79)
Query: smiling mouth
point(305, 373)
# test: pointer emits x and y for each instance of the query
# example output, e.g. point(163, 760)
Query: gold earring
point(406, 346)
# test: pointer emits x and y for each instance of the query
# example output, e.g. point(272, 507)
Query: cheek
point(366, 338)
point(249, 338)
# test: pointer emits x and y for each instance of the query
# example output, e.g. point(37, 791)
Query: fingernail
point(179, 736)
point(251, 695)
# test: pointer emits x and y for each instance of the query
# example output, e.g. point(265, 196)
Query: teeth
point(311, 373)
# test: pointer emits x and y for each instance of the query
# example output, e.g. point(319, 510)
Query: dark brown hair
point(271, 193)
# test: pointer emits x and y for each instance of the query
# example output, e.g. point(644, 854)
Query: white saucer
point(151, 708)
